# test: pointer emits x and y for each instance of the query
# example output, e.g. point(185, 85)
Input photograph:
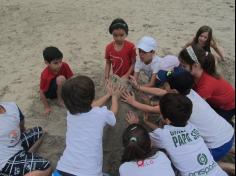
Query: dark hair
point(210, 38)
point(136, 143)
point(78, 94)
point(182, 82)
point(177, 108)
point(205, 59)
point(119, 23)
point(52, 53)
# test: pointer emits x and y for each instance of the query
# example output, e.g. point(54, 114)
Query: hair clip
point(133, 128)
point(169, 73)
point(192, 54)
point(133, 139)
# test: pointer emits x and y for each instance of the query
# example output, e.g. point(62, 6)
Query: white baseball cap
point(147, 44)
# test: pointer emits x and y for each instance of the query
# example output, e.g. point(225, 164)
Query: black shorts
point(24, 162)
point(52, 90)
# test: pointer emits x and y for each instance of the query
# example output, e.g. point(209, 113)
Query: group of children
point(196, 108)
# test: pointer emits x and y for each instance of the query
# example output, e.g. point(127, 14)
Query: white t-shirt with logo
point(187, 150)
point(9, 132)
point(213, 128)
point(83, 155)
point(149, 69)
point(159, 164)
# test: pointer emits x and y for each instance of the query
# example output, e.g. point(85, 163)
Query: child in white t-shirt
point(16, 157)
point(147, 62)
point(181, 139)
point(139, 158)
point(83, 155)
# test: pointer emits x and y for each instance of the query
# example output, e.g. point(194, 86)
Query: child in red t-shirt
point(120, 53)
point(218, 92)
point(53, 76)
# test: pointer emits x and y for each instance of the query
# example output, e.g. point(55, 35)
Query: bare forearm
point(151, 125)
point(44, 99)
point(145, 108)
point(152, 81)
point(154, 91)
point(101, 101)
point(115, 105)
point(136, 75)
point(107, 69)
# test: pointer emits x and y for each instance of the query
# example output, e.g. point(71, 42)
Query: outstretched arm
point(130, 99)
point(152, 82)
point(101, 101)
point(151, 125)
point(151, 90)
point(43, 98)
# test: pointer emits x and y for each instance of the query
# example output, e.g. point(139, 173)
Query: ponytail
point(136, 143)
point(209, 66)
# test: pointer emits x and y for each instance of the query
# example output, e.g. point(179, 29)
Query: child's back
point(83, 153)
point(187, 150)
point(181, 139)
point(158, 164)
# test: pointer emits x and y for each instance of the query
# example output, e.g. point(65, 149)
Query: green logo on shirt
point(202, 159)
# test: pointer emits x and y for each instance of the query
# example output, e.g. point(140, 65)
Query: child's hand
point(134, 82)
point(47, 110)
point(117, 91)
point(132, 118)
point(128, 97)
point(172, 91)
point(145, 117)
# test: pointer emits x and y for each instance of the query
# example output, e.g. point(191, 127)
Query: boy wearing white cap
point(148, 61)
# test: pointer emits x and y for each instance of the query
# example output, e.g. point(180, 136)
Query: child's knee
point(60, 80)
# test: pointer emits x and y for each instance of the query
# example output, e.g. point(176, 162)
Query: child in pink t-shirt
point(120, 53)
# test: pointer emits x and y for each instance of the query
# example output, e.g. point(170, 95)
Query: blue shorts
point(60, 173)
point(220, 152)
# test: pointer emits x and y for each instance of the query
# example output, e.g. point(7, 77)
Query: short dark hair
point(78, 94)
point(182, 82)
point(177, 108)
point(136, 143)
point(119, 23)
point(52, 53)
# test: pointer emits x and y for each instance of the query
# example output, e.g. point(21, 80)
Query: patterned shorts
point(24, 162)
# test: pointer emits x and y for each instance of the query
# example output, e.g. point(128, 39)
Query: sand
point(79, 28)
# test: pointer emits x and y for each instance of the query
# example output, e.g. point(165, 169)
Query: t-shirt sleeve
point(69, 72)
point(110, 117)
point(107, 51)
point(43, 83)
point(133, 53)
point(157, 138)
point(138, 66)
point(155, 67)
point(121, 170)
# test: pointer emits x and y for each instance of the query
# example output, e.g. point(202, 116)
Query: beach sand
point(79, 28)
